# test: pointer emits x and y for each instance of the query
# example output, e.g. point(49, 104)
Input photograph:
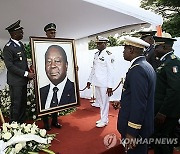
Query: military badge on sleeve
point(175, 69)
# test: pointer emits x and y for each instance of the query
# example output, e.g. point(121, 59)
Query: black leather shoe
point(57, 125)
point(47, 127)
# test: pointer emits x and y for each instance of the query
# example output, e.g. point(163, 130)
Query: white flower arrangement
point(31, 104)
point(31, 113)
point(24, 138)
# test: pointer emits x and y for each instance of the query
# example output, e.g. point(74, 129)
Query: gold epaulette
point(133, 125)
point(133, 66)
point(108, 52)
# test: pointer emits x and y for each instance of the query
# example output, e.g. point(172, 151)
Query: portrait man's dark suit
point(67, 97)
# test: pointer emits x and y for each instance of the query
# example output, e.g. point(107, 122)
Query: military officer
point(50, 30)
point(136, 115)
point(101, 77)
point(167, 94)
point(17, 72)
point(147, 35)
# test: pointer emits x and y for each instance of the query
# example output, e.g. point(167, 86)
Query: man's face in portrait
point(55, 65)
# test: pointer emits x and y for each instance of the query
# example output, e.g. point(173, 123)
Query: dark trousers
point(54, 118)
point(18, 95)
point(164, 131)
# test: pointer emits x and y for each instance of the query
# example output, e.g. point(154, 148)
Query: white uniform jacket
point(102, 70)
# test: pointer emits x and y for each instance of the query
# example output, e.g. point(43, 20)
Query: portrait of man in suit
point(60, 91)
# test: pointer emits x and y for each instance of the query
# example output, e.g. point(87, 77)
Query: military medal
point(20, 58)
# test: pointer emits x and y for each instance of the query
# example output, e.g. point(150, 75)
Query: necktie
point(54, 101)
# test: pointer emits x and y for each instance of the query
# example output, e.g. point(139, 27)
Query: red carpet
point(79, 134)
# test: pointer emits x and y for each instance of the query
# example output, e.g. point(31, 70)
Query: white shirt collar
point(60, 86)
point(102, 52)
point(15, 41)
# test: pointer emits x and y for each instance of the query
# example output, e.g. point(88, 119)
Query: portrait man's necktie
point(54, 101)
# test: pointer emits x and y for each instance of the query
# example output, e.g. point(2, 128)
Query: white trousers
point(103, 100)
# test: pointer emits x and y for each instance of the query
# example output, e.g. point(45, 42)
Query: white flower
point(7, 125)
point(34, 126)
point(30, 144)
point(23, 144)
point(33, 131)
point(33, 109)
point(27, 129)
point(116, 36)
point(18, 132)
point(28, 102)
point(4, 127)
point(18, 147)
point(42, 132)
point(23, 125)
point(14, 125)
point(34, 116)
point(29, 125)
point(7, 135)
point(49, 140)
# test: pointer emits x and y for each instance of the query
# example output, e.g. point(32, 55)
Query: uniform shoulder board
point(173, 56)
point(134, 66)
point(108, 52)
point(8, 44)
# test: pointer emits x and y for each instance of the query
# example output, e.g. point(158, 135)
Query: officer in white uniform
point(102, 78)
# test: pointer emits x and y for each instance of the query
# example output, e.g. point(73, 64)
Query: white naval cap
point(101, 39)
point(134, 41)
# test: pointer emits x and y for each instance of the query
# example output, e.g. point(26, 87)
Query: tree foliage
point(170, 11)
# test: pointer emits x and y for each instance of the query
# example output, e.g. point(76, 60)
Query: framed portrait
point(55, 68)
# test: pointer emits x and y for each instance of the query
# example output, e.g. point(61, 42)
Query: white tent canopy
point(74, 18)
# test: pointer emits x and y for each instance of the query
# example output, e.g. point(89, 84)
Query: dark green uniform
point(167, 99)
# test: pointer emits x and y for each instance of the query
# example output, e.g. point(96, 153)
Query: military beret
point(166, 38)
point(134, 41)
point(50, 26)
point(101, 39)
point(14, 27)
